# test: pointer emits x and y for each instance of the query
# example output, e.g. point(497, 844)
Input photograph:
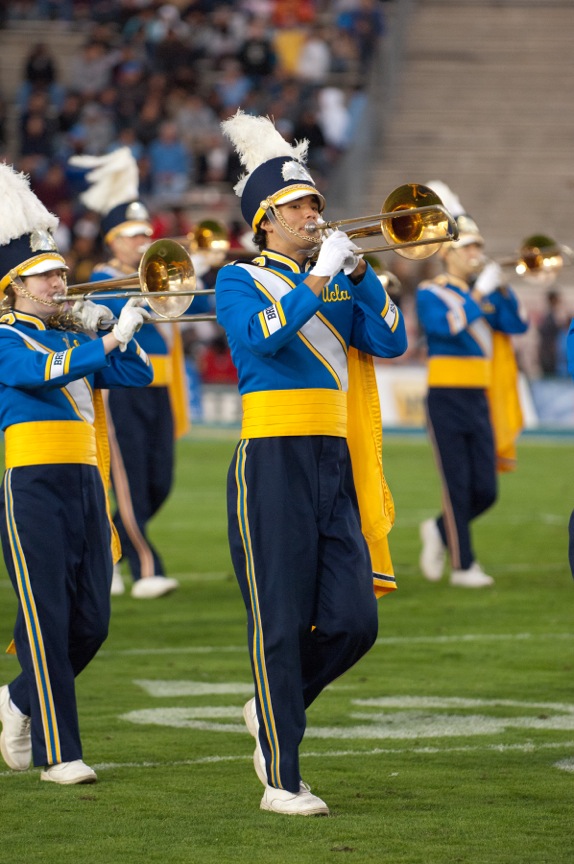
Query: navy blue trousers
point(142, 452)
point(56, 544)
point(302, 563)
point(461, 433)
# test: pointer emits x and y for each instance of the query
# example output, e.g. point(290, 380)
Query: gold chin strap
point(269, 206)
point(20, 288)
point(61, 320)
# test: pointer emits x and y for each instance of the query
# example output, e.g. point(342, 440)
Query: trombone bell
point(421, 219)
point(166, 279)
point(166, 270)
point(413, 221)
point(539, 260)
point(539, 254)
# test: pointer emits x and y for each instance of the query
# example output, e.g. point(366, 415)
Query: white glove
point(337, 253)
point(91, 314)
point(489, 279)
point(131, 319)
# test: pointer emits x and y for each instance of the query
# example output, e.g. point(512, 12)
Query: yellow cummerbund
point(294, 412)
point(50, 442)
point(459, 372)
point(162, 370)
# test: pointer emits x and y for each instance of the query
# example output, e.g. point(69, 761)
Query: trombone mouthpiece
point(311, 227)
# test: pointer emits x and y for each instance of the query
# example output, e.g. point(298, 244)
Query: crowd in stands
point(159, 78)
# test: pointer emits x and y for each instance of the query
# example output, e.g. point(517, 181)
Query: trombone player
point(144, 424)
point(57, 538)
point(473, 414)
point(307, 576)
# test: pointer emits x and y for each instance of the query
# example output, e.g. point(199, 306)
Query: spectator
point(333, 117)
point(196, 121)
point(91, 70)
point(170, 162)
point(314, 60)
point(256, 55)
point(215, 363)
point(366, 24)
point(232, 86)
point(552, 332)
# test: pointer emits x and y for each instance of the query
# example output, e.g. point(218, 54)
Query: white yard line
point(337, 754)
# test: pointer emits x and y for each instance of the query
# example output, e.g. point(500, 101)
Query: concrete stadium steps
point(483, 100)
point(15, 44)
point(17, 40)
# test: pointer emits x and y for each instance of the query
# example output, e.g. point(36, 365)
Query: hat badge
point(42, 241)
point(293, 170)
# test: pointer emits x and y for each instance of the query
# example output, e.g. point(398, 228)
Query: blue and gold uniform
point(55, 527)
point(143, 425)
point(295, 535)
point(473, 413)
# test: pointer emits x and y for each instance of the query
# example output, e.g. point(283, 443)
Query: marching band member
point(144, 423)
point(56, 532)
point(473, 410)
point(301, 337)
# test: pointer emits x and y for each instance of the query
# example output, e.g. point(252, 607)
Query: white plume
point(256, 140)
point(113, 178)
point(21, 212)
point(447, 196)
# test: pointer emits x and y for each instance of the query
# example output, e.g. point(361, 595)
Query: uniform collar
point(457, 282)
point(269, 258)
point(15, 317)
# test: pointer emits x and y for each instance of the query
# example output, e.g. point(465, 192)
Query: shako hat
point(111, 186)
point(275, 171)
point(27, 245)
point(467, 228)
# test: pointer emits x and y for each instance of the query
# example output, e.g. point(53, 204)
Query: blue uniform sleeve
point(378, 324)
point(438, 318)
point(504, 311)
point(23, 367)
point(264, 326)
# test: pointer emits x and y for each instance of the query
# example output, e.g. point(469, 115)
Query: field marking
point(161, 689)
point(339, 754)
point(401, 718)
point(415, 718)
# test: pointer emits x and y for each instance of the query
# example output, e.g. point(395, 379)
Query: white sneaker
point(433, 554)
point(301, 803)
point(154, 586)
point(474, 577)
point(67, 773)
point(15, 738)
point(252, 723)
point(118, 586)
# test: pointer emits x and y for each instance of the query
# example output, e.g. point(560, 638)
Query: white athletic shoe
point(301, 803)
point(252, 723)
point(67, 773)
point(474, 577)
point(154, 586)
point(433, 554)
point(118, 586)
point(15, 738)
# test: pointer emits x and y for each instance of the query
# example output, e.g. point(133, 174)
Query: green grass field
point(451, 741)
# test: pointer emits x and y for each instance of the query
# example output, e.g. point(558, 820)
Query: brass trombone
point(539, 258)
point(413, 221)
point(165, 277)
